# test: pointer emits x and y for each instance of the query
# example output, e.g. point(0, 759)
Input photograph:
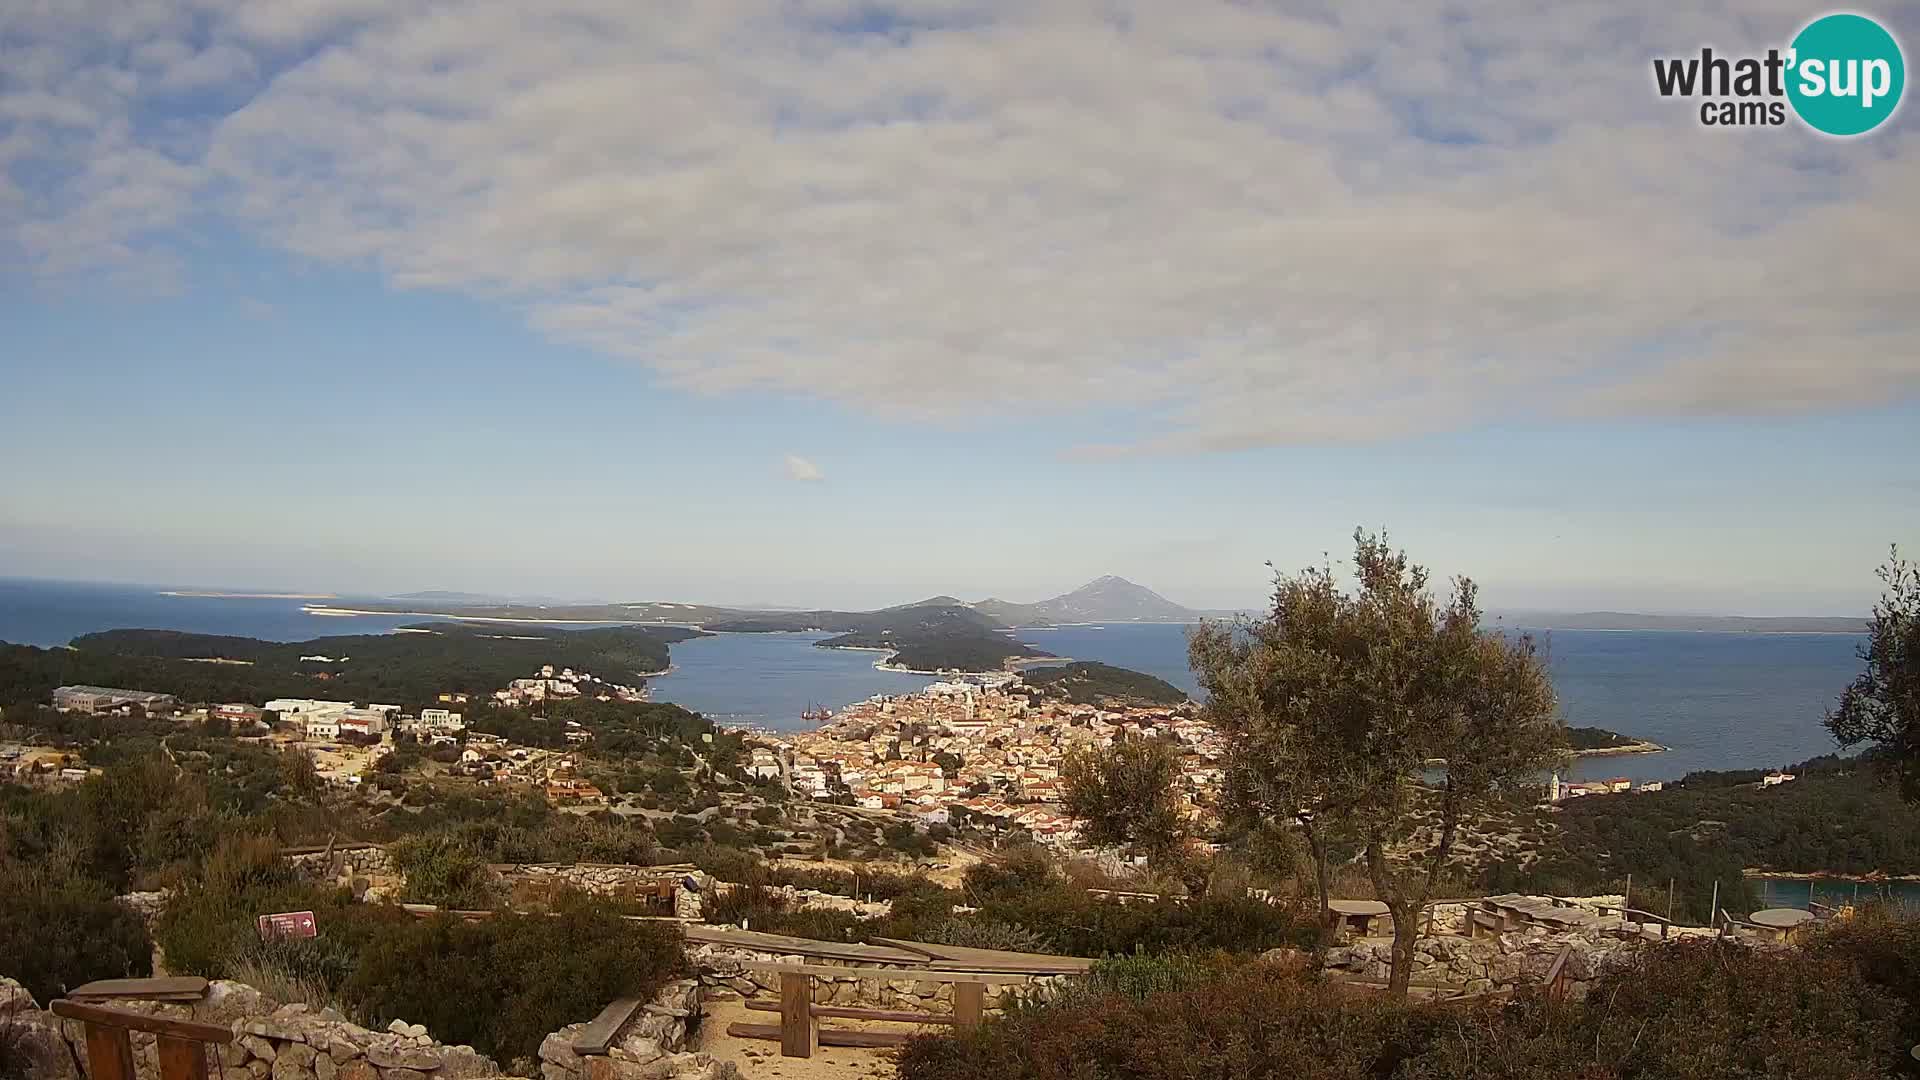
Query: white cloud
point(799, 468)
point(1252, 224)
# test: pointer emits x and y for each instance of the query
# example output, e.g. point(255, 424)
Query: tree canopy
point(1882, 705)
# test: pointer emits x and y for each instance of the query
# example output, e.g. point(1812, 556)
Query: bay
point(1718, 700)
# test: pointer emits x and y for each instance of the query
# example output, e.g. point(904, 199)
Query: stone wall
point(798, 899)
point(722, 970)
point(645, 1048)
point(299, 1042)
point(1518, 958)
point(608, 878)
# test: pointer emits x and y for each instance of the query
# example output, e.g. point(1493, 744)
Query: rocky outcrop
point(645, 1048)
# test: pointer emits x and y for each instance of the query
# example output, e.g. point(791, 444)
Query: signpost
point(293, 924)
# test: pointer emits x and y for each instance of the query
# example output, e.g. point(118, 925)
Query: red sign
point(297, 924)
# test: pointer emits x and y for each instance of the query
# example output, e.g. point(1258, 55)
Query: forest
point(407, 669)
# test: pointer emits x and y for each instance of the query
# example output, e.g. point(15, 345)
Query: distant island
point(1087, 683)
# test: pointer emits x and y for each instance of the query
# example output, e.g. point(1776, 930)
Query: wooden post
point(1713, 909)
point(182, 1059)
point(1669, 923)
point(969, 1002)
point(109, 1053)
point(799, 1031)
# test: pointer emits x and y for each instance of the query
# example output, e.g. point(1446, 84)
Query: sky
point(828, 303)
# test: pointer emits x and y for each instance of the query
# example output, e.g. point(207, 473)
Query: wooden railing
point(182, 1044)
point(1556, 980)
point(799, 1032)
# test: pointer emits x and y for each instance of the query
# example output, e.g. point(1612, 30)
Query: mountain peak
point(1108, 598)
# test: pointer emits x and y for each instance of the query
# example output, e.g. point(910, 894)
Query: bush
point(443, 871)
point(57, 932)
point(1077, 923)
point(985, 934)
point(1676, 1012)
point(501, 984)
point(1882, 943)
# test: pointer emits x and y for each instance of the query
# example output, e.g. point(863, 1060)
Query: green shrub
point(501, 984)
point(1676, 1012)
point(57, 932)
point(968, 933)
point(442, 870)
point(1078, 923)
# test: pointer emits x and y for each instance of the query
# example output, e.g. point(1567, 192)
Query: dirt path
point(760, 1059)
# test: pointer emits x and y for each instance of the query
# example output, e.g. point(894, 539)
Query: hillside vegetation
point(1087, 683)
point(403, 669)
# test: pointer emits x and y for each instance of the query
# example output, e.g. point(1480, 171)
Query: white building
point(440, 721)
point(305, 706)
point(323, 725)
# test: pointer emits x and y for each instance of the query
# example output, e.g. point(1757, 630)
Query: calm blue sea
point(1719, 701)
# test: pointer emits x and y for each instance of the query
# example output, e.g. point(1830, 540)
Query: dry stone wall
point(612, 878)
point(1519, 958)
point(723, 971)
point(645, 1048)
point(299, 1042)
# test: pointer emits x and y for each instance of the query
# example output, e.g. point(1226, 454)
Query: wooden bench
point(182, 988)
point(799, 1032)
point(597, 1036)
point(182, 1044)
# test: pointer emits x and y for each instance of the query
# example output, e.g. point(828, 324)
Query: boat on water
point(816, 714)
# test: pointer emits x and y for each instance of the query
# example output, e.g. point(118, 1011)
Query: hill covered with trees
point(404, 669)
point(1088, 683)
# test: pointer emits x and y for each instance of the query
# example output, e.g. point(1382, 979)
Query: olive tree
point(1337, 704)
point(1882, 705)
point(1127, 795)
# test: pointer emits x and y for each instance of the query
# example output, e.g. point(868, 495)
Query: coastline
point(1013, 663)
point(1615, 751)
point(338, 612)
point(197, 595)
point(1863, 879)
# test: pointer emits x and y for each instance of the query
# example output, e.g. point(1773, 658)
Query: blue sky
point(851, 304)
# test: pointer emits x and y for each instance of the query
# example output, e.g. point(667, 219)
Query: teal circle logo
point(1846, 74)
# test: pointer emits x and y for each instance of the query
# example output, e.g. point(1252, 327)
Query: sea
point(1715, 700)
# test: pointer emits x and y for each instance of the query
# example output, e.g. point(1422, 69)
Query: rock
point(400, 1027)
point(260, 1069)
point(324, 1068)
point(41, 1052)
point(636, 1047)
point(556, 1048)
point(258, 1046)
point(285, 1069)
point(402, 1057)
point(402, 1074)
point(550, 1071)
point(236, 1073)
point(14, 998)
point(357, 1069)
point(464, 1063)
point(297, 1053)
point(268, 1029)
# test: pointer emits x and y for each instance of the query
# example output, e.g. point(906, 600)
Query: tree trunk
point(1323, 883)
point(1406, 933)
